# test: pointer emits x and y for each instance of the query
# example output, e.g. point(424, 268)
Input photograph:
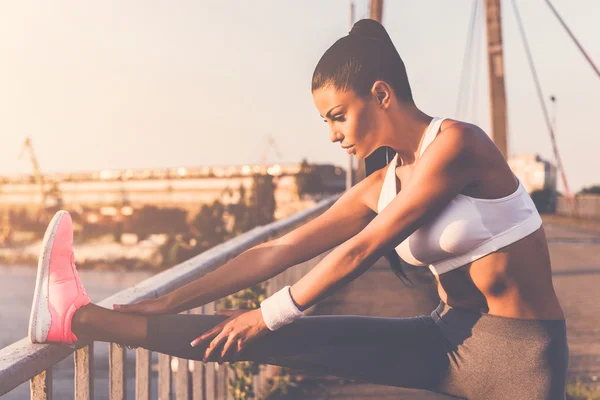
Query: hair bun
point(369, 28)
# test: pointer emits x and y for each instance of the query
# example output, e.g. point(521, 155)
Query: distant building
point(534, 172)
point(183, 187)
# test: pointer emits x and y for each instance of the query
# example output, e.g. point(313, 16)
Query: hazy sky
point(113, 84)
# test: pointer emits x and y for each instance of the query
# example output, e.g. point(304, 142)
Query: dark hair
point(356, 62)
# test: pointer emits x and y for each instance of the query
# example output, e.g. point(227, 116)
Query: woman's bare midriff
point(514, 282)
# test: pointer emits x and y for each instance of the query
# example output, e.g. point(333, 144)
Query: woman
point(447, 200)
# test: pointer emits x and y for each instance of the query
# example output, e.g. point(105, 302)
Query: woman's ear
point(382, 92)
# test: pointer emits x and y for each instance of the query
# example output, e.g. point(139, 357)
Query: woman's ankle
point(83, 316)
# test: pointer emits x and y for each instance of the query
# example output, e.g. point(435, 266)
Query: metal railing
point(583, 206)
point(23, 361)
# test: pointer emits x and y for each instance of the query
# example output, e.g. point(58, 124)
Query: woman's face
point(351, 119)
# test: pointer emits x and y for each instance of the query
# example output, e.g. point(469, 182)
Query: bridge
point(574, 244)
point(182, 187)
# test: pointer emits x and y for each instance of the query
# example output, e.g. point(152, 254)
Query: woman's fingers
point(230, 348)
point(210, 350)
point(211, 333)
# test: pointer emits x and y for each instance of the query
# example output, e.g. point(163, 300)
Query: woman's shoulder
point(464, 133)
point(475, 150)
point(466, 138)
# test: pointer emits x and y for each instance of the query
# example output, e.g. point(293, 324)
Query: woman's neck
point(408, 129)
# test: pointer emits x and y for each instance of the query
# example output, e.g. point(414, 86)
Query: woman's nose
point(335, 136)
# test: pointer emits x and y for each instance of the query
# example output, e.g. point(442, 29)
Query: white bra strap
point(431, 133)
point(388, 189)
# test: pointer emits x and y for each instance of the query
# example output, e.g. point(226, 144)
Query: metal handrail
point(22, 361)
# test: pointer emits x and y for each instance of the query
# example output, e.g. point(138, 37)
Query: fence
point(23, 361)
point(584, 206)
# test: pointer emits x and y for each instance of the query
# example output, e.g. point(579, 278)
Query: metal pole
point(587, 57)
point(496, 75)
point(349, 167)
point(375, 13)
point(377, 10)
point(554, 112)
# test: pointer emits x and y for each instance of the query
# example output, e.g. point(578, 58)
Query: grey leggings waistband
point(456, 321)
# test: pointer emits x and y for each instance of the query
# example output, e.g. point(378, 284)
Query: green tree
point(209, 225)
point(308, 180)
point(544, 200)
point(151, 219)
point(262, 201)
point(594, 189)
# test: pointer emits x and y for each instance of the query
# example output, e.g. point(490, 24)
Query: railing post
point(84, 373)
point(41, 385)
point(198, 371)
point(182, 380)
point(210, 382)
point(164, 377)
point(256, 385)
point(143, 374)
point(116, 371)
point(222, 382)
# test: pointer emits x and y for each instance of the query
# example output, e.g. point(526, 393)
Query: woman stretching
point(447, 200)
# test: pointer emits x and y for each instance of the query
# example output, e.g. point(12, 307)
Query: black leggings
point(452, 351)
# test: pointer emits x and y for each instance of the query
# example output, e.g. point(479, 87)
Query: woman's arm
point(344, 219)
point(445, 169)
point(447, 166)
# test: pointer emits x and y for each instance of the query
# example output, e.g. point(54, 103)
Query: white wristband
point(279, 309)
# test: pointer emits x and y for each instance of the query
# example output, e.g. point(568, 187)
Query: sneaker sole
point(40, 318)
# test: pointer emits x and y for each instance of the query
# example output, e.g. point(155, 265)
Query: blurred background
point(167, 128)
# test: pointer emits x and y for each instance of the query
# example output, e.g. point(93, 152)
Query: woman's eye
point(339, 118)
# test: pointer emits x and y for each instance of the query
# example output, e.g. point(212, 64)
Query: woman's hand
point(234, 334)
point(146, 307)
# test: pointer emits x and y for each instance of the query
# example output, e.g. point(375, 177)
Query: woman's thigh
point(406, 352)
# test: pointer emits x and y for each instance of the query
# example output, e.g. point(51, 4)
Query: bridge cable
point(477, 65)
point(466, 66)
point(541, 99)
point(573, 37)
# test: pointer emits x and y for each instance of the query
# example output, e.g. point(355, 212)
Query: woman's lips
point(350, 149)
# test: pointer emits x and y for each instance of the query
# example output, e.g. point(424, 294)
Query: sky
point(137, 84)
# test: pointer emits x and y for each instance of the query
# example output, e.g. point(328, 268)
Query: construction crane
point(40, 181)
point(37, 174)
point(270, 144)
point(6, 229)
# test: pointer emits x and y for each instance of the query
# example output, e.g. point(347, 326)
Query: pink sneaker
point(58, 290)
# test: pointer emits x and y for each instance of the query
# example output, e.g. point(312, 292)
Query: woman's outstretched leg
point(96, 323)
point(406, 352)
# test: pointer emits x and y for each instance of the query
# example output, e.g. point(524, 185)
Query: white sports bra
point(467, 228)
